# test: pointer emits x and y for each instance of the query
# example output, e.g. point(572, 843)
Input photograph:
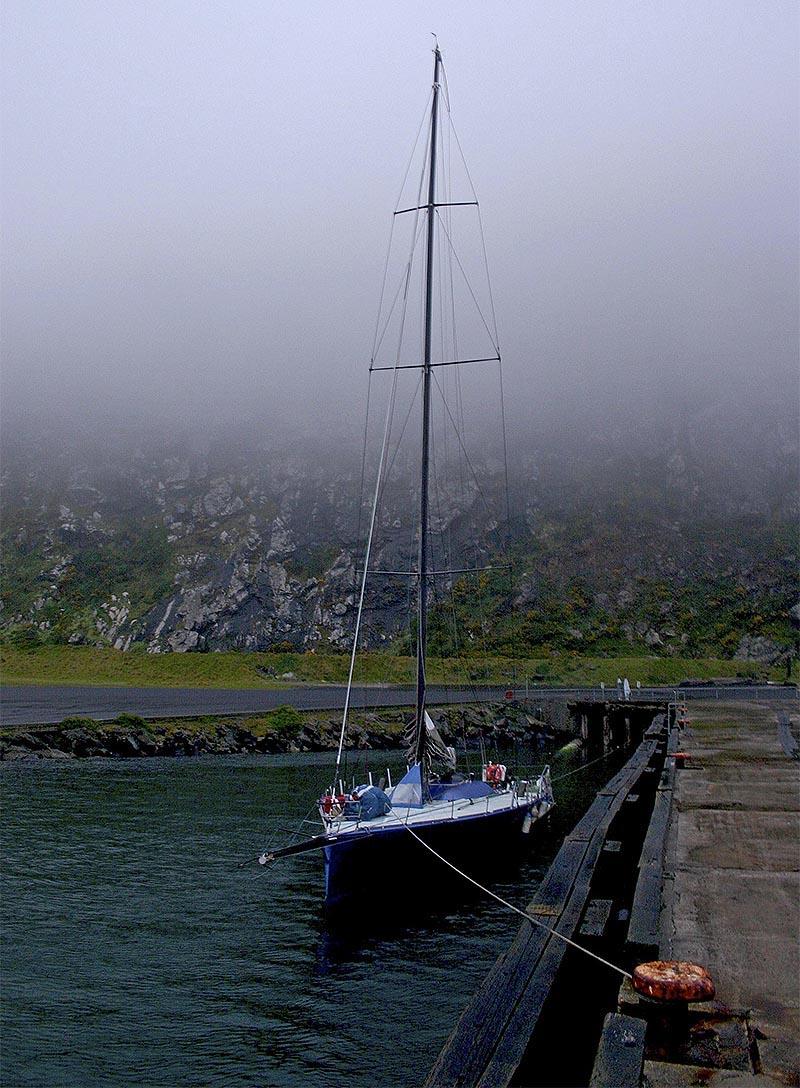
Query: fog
point(198, 196)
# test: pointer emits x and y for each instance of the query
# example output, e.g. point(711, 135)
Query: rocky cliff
point(646, 535)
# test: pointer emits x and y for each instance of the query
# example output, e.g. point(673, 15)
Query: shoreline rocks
point(282, 730)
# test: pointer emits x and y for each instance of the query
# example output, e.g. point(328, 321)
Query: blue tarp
point(458, 791)
point(372, 802)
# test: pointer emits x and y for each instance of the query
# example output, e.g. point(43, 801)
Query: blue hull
point(386, 861)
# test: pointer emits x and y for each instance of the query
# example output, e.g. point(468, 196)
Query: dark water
point(136, 952)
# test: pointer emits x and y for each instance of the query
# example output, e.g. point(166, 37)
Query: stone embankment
point(281, 730)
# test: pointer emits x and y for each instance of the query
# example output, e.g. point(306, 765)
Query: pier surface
point(732, 882)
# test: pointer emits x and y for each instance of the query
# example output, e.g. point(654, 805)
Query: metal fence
point(677, 694)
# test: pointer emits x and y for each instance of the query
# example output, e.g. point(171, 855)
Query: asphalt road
point(40, 705)
point(37, 705)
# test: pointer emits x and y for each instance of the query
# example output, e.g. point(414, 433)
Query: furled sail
point(437, 753)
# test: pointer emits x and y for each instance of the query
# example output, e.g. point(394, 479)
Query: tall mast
point(422, 586)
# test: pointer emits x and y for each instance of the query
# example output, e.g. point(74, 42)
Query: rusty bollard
point(667, 987)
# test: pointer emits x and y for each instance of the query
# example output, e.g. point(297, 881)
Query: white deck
point(440, 812)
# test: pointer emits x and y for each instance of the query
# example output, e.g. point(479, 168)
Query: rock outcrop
point(174, 549)
point(284, 730)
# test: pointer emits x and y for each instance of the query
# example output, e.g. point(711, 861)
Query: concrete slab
point(765, 771)
point(734, 865)
point(759, 795)
point(780, 1055)
point(666, 1075)
point(732, 839)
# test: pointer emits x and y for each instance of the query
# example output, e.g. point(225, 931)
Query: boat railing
point(352, 815)
point(344, 815)
point(528, 787)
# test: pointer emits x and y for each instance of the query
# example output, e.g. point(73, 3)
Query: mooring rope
point(516, 910)
point(584, 766)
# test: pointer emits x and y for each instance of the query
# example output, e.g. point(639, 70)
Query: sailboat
point(383, 835)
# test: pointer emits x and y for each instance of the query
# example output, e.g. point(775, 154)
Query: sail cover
point(460, 791)
point(408, 791)
point(436, 751)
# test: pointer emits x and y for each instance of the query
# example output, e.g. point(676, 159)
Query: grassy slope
point(89, 665)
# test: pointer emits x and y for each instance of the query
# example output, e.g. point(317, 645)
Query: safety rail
point(657, 692)
point(350, 812)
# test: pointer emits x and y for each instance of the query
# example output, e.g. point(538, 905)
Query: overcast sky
point(197, 196)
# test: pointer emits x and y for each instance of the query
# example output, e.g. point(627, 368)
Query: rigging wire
point(271, 836)
point(418, 223)
point(363, 463)
point(453, 135)
point(446, 291)
point(480, 219)
point(423, 119)
point(458, 422)
point(437, 504)
point(505, 446)
point(447, 261)
point(403, 428)
point(463, 448)
point(360, 612)
point(449, 314)
point(492, 336)
point(391, 230)
point(401, 286)
point(385, 443)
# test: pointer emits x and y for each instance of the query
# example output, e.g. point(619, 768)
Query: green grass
point(136, 560)
point(94, 666)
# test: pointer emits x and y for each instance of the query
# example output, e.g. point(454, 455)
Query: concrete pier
point(498, 1040)
point(697, 857)
point(732, 886)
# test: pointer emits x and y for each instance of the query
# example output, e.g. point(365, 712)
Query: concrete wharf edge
point(490, 1039)
point(730, 896)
